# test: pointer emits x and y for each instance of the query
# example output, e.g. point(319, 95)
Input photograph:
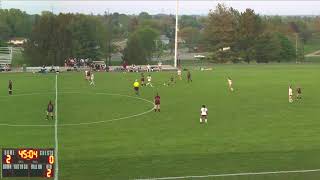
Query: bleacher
point(5, 55)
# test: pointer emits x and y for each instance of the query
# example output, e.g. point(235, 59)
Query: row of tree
point(14, 23)
point(229, 35)
point(235, 36)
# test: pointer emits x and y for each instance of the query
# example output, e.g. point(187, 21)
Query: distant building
point(165, 40)
point(120, 45)
point(17, 41)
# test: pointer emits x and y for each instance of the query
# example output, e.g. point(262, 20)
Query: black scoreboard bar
point(28, 162)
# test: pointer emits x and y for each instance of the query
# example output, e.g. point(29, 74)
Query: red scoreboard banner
point(28, 162)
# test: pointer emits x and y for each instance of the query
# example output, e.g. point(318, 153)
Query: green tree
point(250, 27)
point(134, 53)
point(16, 23)
point(57, 37)
point(287, 50)
point(220, 31)
point(267, 48)
point(140, 46)
point(191, 36)
point(144, 16)
point(190, 21)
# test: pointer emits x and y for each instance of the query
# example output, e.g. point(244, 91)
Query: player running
point(171, 81)
point(179, 74)
point(157, 103)
point(299, 92)
point(203, 114)
point(92, 80)
point(290, 93)
point(148, 68)
point(189, 76)
point(87, 75)
point(136, 86)
point(230, 84)
point(50, 110)
point(160, 66)
point(142, 79)
point(149, 79)
point(10, 87)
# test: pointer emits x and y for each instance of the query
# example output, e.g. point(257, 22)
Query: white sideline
point(235, 174)
point(56, 173)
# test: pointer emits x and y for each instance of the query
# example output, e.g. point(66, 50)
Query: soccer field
point(107, 132)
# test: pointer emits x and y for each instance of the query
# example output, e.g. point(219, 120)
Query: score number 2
point(49, 173)
point(8, 159)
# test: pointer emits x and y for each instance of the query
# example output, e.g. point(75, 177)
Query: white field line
point(235, 174)
point(85, 123)
point(56, 175)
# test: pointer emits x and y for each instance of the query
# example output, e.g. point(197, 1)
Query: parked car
point(4, 68)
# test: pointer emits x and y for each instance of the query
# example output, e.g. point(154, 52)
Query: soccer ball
point(231, 89)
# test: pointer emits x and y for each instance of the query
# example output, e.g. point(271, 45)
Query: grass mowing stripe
point(85, 123)
point(235, 174)
point(56, 176)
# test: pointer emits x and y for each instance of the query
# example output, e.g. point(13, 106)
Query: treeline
point(14, 23)
point(246, 36)
point(227, 34)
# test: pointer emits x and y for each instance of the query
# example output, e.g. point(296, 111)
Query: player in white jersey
point(149, 81)
point(290, 93)
point(86, 74)
point(230, 84)
point(148, 68)
point(160, 66)
point(92, 79)
point(179, 73)
point(203, 114)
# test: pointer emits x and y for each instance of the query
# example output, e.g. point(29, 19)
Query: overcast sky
point(166, 6)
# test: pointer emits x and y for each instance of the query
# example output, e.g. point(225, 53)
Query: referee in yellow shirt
point(136, 86)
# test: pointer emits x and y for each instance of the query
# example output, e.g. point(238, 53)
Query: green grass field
point(253, 129)
point(313, 44)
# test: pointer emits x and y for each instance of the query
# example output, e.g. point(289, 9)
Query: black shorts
point(136, 88)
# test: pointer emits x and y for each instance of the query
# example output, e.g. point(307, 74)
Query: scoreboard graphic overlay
point(28, 162)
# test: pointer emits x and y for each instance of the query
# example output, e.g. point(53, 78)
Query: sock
point(200, 120)
point(158, 110)
point(206, 120)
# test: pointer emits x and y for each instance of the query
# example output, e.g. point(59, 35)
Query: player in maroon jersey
point(50, 108)
point(189, 76)
point(10, 87)
point(157, 103)
point(299, 92)
point(124, 65)
point(142, 79)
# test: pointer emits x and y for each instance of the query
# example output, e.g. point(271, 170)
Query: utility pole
point(109, 38)
point(296, 47)
point(176, 36)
